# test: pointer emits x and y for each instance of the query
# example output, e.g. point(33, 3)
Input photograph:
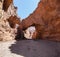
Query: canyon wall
point(9, 20)
point(46, 19)
point(6, 4)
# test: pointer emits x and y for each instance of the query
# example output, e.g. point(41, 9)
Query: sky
point(25, 7)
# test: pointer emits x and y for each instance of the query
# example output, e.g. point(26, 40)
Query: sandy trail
point(30, 48)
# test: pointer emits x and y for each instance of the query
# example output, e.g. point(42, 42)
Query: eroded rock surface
point(46, 19)
point(6, 4)
point(29, 32)
point(9, 21)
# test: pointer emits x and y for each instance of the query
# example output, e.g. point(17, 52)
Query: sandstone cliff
point(6, 4)
point(46, 19)
point(9, 21)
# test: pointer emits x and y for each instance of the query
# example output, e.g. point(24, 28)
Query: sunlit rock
point(28, 33)
point(10, 16)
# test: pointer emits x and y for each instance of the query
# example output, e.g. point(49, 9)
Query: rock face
point(9, 21)
point(6, 4)
point(28, 33)
point(6, 32)
point(46, 19)
point(13, 20)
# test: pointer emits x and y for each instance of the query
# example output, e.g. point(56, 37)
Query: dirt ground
point(30, 48)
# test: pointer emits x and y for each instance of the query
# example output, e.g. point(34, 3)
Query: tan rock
point(8, 17)
point(28, 33)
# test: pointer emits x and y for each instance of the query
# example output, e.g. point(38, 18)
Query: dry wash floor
point(30, 48)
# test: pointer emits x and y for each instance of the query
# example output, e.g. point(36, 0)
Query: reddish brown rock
point(46, 19)
point(13, 20)
point(6, 4)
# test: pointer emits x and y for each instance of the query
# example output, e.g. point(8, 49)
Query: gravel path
point(30, 48)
